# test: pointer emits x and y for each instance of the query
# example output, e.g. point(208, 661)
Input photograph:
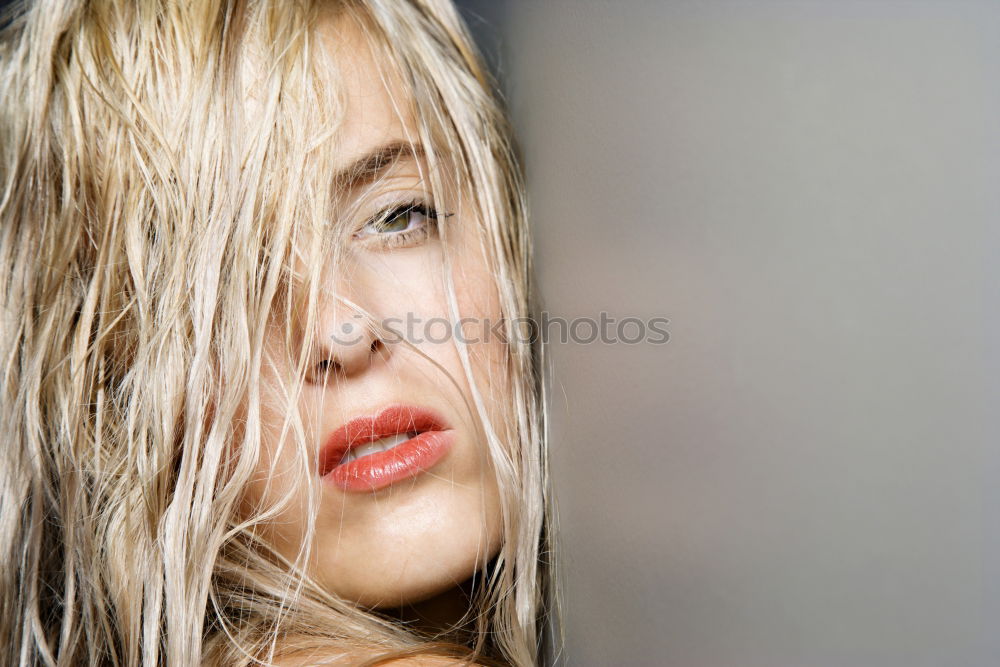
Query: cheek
point(478, 297)
point(412, 285)
point(483, 332)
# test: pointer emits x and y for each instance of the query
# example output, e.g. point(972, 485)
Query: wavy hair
point(158, 160)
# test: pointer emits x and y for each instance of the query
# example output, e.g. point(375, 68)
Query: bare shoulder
point(311, 659)
point(431, 661)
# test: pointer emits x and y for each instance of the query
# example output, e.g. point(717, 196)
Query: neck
point(440, 614)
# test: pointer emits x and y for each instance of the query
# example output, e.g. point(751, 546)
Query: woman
point(263, 401)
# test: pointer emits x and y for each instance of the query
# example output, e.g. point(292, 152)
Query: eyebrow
point(368, 167)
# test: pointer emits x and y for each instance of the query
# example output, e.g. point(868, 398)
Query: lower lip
point(405, 460)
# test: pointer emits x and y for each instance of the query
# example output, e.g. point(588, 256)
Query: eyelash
point(405, 238)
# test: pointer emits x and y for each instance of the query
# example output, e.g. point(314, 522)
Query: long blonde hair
point(147, 224)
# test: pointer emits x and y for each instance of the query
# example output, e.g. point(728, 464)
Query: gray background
point(807, 473)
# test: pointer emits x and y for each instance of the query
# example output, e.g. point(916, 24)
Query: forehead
point(376, 106)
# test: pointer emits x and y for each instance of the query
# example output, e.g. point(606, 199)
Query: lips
point(372, 452)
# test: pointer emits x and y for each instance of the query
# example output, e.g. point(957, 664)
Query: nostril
point(376, 345)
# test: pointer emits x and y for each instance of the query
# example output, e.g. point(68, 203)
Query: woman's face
point(402, 525)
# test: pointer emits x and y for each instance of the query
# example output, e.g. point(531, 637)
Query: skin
point(419, 539)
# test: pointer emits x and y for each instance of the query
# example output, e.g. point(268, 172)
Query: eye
point(400, 225)
point(398, 219)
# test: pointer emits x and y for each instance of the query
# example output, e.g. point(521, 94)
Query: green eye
point(400, 226)
point(401, 220)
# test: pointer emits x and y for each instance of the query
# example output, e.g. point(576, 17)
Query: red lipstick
point(371, 452)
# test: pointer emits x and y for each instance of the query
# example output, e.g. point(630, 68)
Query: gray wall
point(807, 473)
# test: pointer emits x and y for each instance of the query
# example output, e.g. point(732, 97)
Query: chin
point(419, 568)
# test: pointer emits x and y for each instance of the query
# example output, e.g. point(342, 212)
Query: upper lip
point(390, 421)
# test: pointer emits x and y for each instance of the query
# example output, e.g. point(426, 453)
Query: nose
point(347, 345)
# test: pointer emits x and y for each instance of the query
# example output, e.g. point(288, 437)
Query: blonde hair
point(148, 220)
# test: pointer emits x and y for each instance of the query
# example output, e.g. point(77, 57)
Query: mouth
point(380, 445)
point(372, 452)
